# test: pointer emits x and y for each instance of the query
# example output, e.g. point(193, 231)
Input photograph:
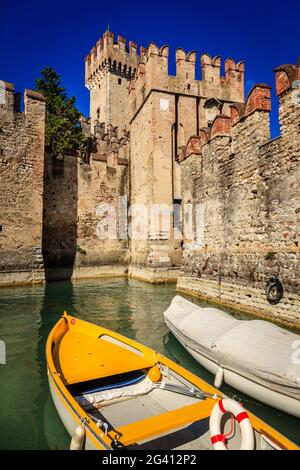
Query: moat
point(28, 417)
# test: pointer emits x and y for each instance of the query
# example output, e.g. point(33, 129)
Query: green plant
point(63, 133)
point(81, 250)
point(270, 256)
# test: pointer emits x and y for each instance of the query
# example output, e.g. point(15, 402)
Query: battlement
point(287, 79)
point(152, 73)
point(10, 101)
point(151, 66)
point(111, 56)
point(258, 99)
point(121, 76)
point(110, 140)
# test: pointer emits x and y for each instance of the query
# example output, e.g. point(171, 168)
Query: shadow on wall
point(60, 217)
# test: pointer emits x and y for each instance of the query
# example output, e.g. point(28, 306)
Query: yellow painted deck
point(82, 357)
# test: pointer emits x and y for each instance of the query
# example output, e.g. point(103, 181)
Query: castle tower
point(161, 112)
point(109, 68)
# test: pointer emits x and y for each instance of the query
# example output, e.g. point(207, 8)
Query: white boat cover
point(140, 388)
point(255, 349)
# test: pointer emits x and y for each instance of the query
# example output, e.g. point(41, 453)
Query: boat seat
point(81, 357)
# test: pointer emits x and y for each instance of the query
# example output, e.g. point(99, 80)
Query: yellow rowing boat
point(112, 392)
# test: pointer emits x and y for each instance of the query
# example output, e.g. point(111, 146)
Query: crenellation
point(237, 111)
point(210, 68)
point(259, 99)
point(108, 39)
point(9, 91)
point(143, 53)
point(133, 48)
point(185, 65)
point(149, 71)
point(121, 43)
point(220, 126)
point(234, 76)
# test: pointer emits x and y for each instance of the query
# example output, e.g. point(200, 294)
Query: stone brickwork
point(21, 187)
point(248, 188)
point(76, 196)
point(167, 110)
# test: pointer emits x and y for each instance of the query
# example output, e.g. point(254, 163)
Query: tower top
point(111, 56)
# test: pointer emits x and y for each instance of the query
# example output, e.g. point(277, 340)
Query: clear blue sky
point(35, 34)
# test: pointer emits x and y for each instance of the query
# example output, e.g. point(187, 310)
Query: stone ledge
point(20, 278)
point(236, 297)
point(153, 275)
point(9, 86)
point(34, 95)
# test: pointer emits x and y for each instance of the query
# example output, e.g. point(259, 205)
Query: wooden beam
point(163, 423)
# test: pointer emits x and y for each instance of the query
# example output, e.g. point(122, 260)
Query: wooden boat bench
point(163, 423)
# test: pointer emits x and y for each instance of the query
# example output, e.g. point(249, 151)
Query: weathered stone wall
point(21, 183)
point(73, 206)
point(248, 188)
point(166, 110)
point(153, 247)
point(100, 186)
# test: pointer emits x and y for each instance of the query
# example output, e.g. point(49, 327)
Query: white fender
point(78, 438)
point(217, 438)
point(219, 377)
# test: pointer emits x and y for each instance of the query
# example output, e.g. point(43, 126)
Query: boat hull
point(248, 387)
point(68, 417)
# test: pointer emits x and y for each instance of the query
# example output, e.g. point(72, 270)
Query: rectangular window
point(177, 214)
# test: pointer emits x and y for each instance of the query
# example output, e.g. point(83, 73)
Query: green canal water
point(28, 419)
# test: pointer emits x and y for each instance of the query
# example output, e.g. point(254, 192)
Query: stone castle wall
point(21, 183)
point(165, 111)
point(247, 187)
point(78, 196)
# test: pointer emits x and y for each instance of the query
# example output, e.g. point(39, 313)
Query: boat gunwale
point(106, 441)
point(64, 394)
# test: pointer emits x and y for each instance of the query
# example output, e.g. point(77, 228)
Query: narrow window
point(187, 75)
point(98, 113)
point(119, 81)
point(0, 228)
point(177, 214)
point(189, 87)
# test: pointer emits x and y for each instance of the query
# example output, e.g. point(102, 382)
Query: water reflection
point(27, 314)
point(19, 379)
